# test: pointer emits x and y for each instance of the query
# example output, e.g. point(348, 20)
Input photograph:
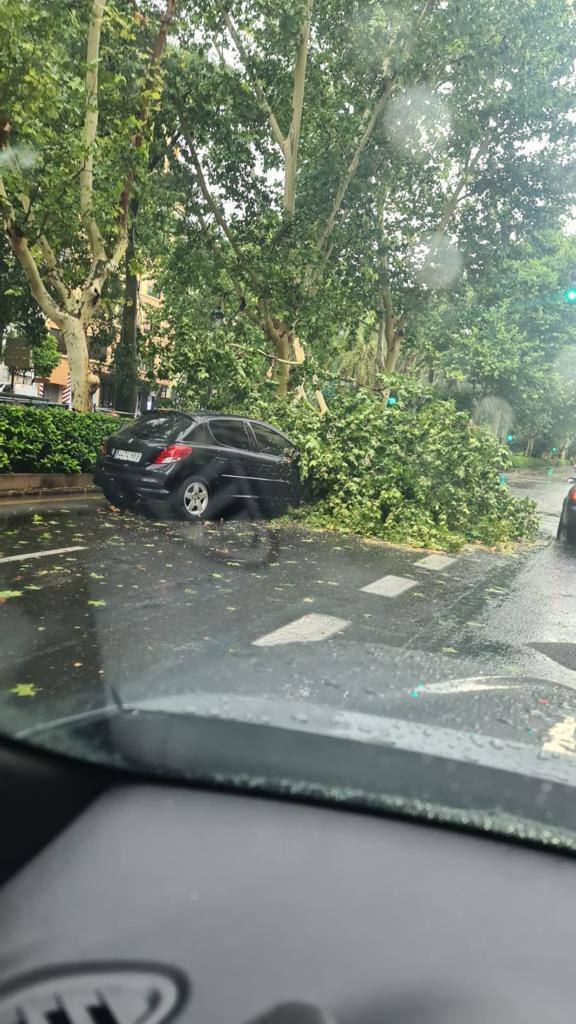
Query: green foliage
point(35, 440)
point(497, 80)
point(528, 461)
point(19, 312)
point(417, 473)
point(504, 327)
point(45, 356)
point(212, 358)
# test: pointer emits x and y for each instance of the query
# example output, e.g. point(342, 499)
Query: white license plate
point(119, 453)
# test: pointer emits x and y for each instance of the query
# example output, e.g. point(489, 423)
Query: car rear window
point(163, 425)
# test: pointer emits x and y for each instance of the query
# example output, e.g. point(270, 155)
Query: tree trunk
point(283, 368)
point(393, 354)
point(292, 142)
point(381, 345)
point(284, 342)
point(529, 447)
point(394, 332)
point(77, 350)
point(126, 355)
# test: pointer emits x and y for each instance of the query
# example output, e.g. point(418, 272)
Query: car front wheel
point(192, 499)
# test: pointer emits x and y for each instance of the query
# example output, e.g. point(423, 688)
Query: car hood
point(301, 750)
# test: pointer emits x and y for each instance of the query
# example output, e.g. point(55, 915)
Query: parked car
point(198, 462)
point(567, 524)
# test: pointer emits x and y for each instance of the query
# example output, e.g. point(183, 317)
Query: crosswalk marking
point(465, 686)
point(390, 586)
point(435, 562)
point(562, 737)
point(306, 630)
point(40, 554)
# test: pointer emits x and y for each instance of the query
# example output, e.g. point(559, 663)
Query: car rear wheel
point(570, 533)
point(192, 499)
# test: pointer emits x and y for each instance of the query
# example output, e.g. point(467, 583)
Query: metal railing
point(12, 399)
point(25, 400)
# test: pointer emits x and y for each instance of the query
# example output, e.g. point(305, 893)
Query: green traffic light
point(510, 438)
point(392, 400)
point(570, 294)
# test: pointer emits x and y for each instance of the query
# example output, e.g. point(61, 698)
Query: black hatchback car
point(199, 462)
point(567, 524)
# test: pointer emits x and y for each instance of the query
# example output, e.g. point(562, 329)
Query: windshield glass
point(288, 391)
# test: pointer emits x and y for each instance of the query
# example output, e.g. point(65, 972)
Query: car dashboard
point(262, 909)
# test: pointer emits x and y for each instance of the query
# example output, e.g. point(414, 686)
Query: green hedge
point(535, 462)
point(51, 440)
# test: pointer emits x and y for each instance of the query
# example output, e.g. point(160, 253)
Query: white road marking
point(390, 586)
point(562, 737)
point(465, 686)
point(40, 554)
point(307, 630)
point(435, 562)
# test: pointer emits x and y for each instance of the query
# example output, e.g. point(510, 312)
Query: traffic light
point(570, 293)
point(392, 400)
point(510, 438)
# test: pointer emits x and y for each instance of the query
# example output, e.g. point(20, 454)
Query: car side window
point(269, 442)
point(230, 433)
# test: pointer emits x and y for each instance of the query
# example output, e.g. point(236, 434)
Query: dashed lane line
point(41, 554)
point(562, 737)
point(435, 562)
point(306, 630)
point(390, 586)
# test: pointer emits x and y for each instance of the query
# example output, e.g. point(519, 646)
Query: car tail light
point(173, 453)
point(572, 494)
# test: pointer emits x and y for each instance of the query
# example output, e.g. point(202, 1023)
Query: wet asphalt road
point(95, 602)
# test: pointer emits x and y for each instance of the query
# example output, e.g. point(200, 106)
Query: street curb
point(16, 485)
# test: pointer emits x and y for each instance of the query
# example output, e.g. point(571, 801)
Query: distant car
point(198, 462)
point(567, 524)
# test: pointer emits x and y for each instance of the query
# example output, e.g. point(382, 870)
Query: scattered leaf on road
point(25, 690)
point(5, 595)
point(97, 604)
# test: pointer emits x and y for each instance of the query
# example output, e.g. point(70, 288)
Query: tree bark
point(393, 331)
point(293, 140)
point(126, 355)
point(89, 131)
point(78, 362)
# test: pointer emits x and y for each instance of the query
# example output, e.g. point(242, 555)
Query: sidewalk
point(22, 485)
